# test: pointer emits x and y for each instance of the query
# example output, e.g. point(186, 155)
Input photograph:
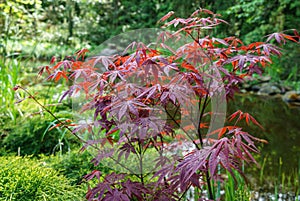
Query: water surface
point(282, 131)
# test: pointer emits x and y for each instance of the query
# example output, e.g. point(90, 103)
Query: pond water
point(279, 158)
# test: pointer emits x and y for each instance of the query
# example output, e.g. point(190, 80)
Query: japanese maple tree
point(154, 104)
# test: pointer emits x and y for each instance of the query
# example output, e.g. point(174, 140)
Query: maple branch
point(201, 142)
point(177, 124)
point(185, 191)
point(55, 117)
point(141, 161)
point(200, 117)
point(67, 127)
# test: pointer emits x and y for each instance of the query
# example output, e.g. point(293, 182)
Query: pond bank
point(279, 158)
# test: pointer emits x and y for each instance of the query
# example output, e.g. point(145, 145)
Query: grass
point(10, 74)
point(15, 72)
point(236, 188)
point(284, 183)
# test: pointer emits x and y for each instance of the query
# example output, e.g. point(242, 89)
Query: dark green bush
point(29, 137)
point(25, 179)
point(74, 165)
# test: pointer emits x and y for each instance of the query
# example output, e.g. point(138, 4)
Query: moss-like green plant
point(24, 179)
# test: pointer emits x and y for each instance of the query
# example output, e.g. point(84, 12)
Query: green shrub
point(30, 138)
point(26, 179)
point(74, 165)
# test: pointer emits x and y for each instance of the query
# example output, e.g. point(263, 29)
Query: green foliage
point(236, 189)
point(18, 21)
point(30, 25)
point(253, 19)
point(73, 165)
point(30, 137)
point(40, 29)
point(256, 18)
point(26, 179)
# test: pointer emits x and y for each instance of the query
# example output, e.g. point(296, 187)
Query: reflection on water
point(282, 131)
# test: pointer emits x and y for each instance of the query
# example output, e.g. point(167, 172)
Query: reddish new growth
point(169, 106)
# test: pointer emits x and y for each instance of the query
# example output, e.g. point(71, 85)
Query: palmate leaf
point(105, 60)
point(134, 189)
point(98, 191)
point(191, 164)
point(66, 64)
point(219, 40)
point(113, 75)
point(222, 131)
point(240, 61)
point(94, 173)
point(280, 37)
point(227, 152)
point(125, 150)
point(103, 154)
point(148, 65)
point(270, 49)
point(151, 91)
point(201, 11)
point(115, 188)
point(230, 152)
point(123, 107)
point(175, 22)
point(116, 195)
point(241, 115)
point(219, 147)
point(42, 70)
point(234, 41)
point(57, 75)
point(165, 17)
point(81, 53)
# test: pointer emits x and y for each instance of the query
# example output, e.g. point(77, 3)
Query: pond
point(279, 158)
